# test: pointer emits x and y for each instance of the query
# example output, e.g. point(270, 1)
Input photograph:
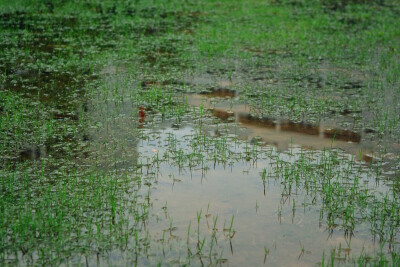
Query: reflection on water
point(299, 128)
point(281, 133)
point(223, 115)
point(265, 215)
point(219, 92)
point(183, 172)
point(342, 135)
point(113, 125)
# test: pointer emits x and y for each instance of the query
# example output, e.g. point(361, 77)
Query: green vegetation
point(106, 157)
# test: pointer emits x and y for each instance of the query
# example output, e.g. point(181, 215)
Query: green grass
point(74, 73)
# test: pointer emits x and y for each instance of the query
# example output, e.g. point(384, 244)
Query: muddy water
point(224, 187)
point(283, 133)
point(266, 216)
point(112, 124)
point(263, 215)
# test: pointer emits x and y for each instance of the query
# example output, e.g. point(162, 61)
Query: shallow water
point(212, 164)
point(263, 217)
point(223, 104)
point(184, 177)
point(126, 161)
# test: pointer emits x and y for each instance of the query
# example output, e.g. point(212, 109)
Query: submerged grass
point(308, 64)
point(84, 82)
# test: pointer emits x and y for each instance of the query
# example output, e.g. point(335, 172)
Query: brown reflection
point(247, 119)
point(301, 127)
point(219, 92)
point(222, 114)
point(287, 126)
point(367, 158)
point(243, 117)
point(280, 133)
point(343, 135)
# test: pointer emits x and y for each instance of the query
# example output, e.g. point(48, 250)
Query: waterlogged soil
point(140, 138)
point(266, 214)
point(225, 104)
point(278, 214)
point(255, 190)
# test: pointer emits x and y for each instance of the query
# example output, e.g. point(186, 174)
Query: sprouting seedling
point(215, 225)
point(211, 248)
point(291, 146)
point(231, 231)
point(333, 138)
point(301, 250)
point(266, 252)
point(230, 74)
point(198, 224)
point(170, 225)
point(264, 175)
point(188, 232)
point(200, 246)
point(348, 242)
point(201, 110)
point(163, 237)
point(360, 155)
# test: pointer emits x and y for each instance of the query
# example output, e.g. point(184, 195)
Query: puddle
point(120, 167)
point(272, 215)
point(209, 172)
point(281, 133)
point(269, 175)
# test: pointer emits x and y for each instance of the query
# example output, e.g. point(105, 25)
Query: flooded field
point(202, 133)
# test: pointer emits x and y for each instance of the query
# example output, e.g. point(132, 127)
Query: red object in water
point(142, 116)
